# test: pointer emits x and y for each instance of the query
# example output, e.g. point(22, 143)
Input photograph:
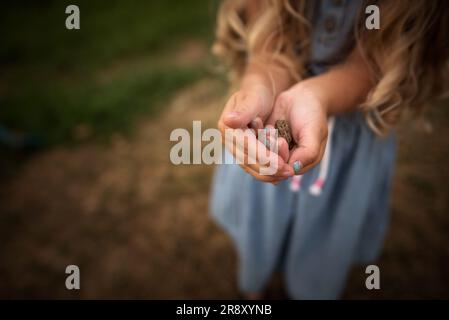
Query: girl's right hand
point(249, 108)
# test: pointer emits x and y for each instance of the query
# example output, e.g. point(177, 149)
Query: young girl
point(342, 88)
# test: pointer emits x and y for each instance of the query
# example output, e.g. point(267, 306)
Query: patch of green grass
point(49, 81)
point(34, 33)
point(103, 107)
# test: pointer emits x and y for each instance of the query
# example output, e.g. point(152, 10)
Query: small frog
point(285, 132)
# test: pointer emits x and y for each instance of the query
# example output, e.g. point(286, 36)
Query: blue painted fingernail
point(267, 139)
point(296, 167)
point(267, 143)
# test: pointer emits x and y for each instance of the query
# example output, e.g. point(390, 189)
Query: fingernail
point(297, 167)
point(267, 143)
point(232, 114)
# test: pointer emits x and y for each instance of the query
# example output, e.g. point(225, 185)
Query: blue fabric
point(313, 240)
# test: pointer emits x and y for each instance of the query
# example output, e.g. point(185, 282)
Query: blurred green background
point(122, 62)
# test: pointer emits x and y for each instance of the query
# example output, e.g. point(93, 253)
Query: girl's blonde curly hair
point(408, 55)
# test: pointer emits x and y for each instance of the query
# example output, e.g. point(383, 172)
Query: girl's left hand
point(306, 114)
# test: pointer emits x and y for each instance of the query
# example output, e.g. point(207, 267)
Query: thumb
point(309, 151)
point(243, 109)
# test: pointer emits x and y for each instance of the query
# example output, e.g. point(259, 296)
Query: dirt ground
point(138, 226)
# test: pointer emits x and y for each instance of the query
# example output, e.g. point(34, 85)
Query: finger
point(245, 147)
point(241, 109)
point(270, 179)
point(310, 140)
point(250, 151)
point(284, 153)
point(263, 178)
point(256, 123)
point(281, 108)
point(263, 160)
point(309, 155)
point(282, 150)
point(279, 146)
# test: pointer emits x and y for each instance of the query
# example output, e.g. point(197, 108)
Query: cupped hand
point(243, 116)
point(307, 116)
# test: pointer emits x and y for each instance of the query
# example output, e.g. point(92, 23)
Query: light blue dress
point(313, 240)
